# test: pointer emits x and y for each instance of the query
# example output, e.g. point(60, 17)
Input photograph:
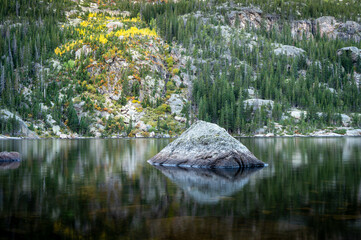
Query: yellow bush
point(175, 71)
point(91, 88)
point(135, 31)
point(163, 109)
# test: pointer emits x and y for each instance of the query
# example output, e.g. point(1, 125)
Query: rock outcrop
point(330, 27)
point(176, 103)
point(288, 50)
point(327, 25)
point(257, 103)
point(23, 127)
point(302, 28)
point(206, 145)
point(354, 52)
point(10, 157)
point(252, 17)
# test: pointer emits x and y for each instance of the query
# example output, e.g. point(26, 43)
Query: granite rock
point(206, 145)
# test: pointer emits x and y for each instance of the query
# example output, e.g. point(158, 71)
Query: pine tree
point(73, 120)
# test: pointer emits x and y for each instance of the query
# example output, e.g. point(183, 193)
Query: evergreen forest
point(151, 68)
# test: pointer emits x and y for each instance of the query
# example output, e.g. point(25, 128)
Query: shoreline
point(253, 136)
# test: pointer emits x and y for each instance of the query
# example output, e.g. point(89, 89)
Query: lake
point(105, 189)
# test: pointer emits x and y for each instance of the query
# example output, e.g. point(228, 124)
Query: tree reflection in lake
point(105, 188)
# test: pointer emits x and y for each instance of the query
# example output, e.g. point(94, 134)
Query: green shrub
point(340, 131)
point(171, 86)
point(163, 109)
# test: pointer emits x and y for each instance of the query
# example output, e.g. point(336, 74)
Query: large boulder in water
point(10, 157)
point(206, 145)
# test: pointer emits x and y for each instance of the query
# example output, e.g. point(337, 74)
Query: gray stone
point(175, 103)
point(56, 65)
point(257, 103)
point(114, 97)
point(63, 136)
point(353, 132)
point(56, 130)
point(114, 25)
point(138, 135)
point(357, 77)
point(105, 114)
point(85, 50)
point(327, 25)
point(302, 28)
point(355, 52)
point(180, 119)
point(177, 80)
point(141, 126)
point(288, 50)
point(206, 145)
point(251, 92)
point(297, 114)
point(10, 157)
point(346, 120)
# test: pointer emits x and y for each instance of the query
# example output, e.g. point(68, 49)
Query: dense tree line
point(30, 32)
point(319, 81)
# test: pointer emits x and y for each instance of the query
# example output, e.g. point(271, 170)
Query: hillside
point(146, 69)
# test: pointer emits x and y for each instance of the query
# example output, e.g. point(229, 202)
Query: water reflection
point(9, 165)
point(208, 185)
point(97, 189)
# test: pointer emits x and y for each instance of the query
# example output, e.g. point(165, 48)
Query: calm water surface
point(105, 189)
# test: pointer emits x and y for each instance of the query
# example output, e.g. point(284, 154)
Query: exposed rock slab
point(10, 157)
point(23, 127)
point(301, 28)
point(288, 50)
point(206, 145)
point(330, 27)
point(257, 103)
point(354, 51)
point(176, 103)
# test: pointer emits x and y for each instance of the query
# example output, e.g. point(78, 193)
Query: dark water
point(104, 189)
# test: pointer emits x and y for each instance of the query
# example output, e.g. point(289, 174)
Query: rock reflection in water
point(208, 185)
point(9, 165)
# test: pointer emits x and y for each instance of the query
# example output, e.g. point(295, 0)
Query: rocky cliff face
point(331, 27)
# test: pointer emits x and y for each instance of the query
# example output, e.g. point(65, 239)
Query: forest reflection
point(104, 187)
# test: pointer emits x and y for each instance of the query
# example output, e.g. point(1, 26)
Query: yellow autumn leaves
point(67, 47)
point(102, 39)
point(135, 31)
point(94, 31)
